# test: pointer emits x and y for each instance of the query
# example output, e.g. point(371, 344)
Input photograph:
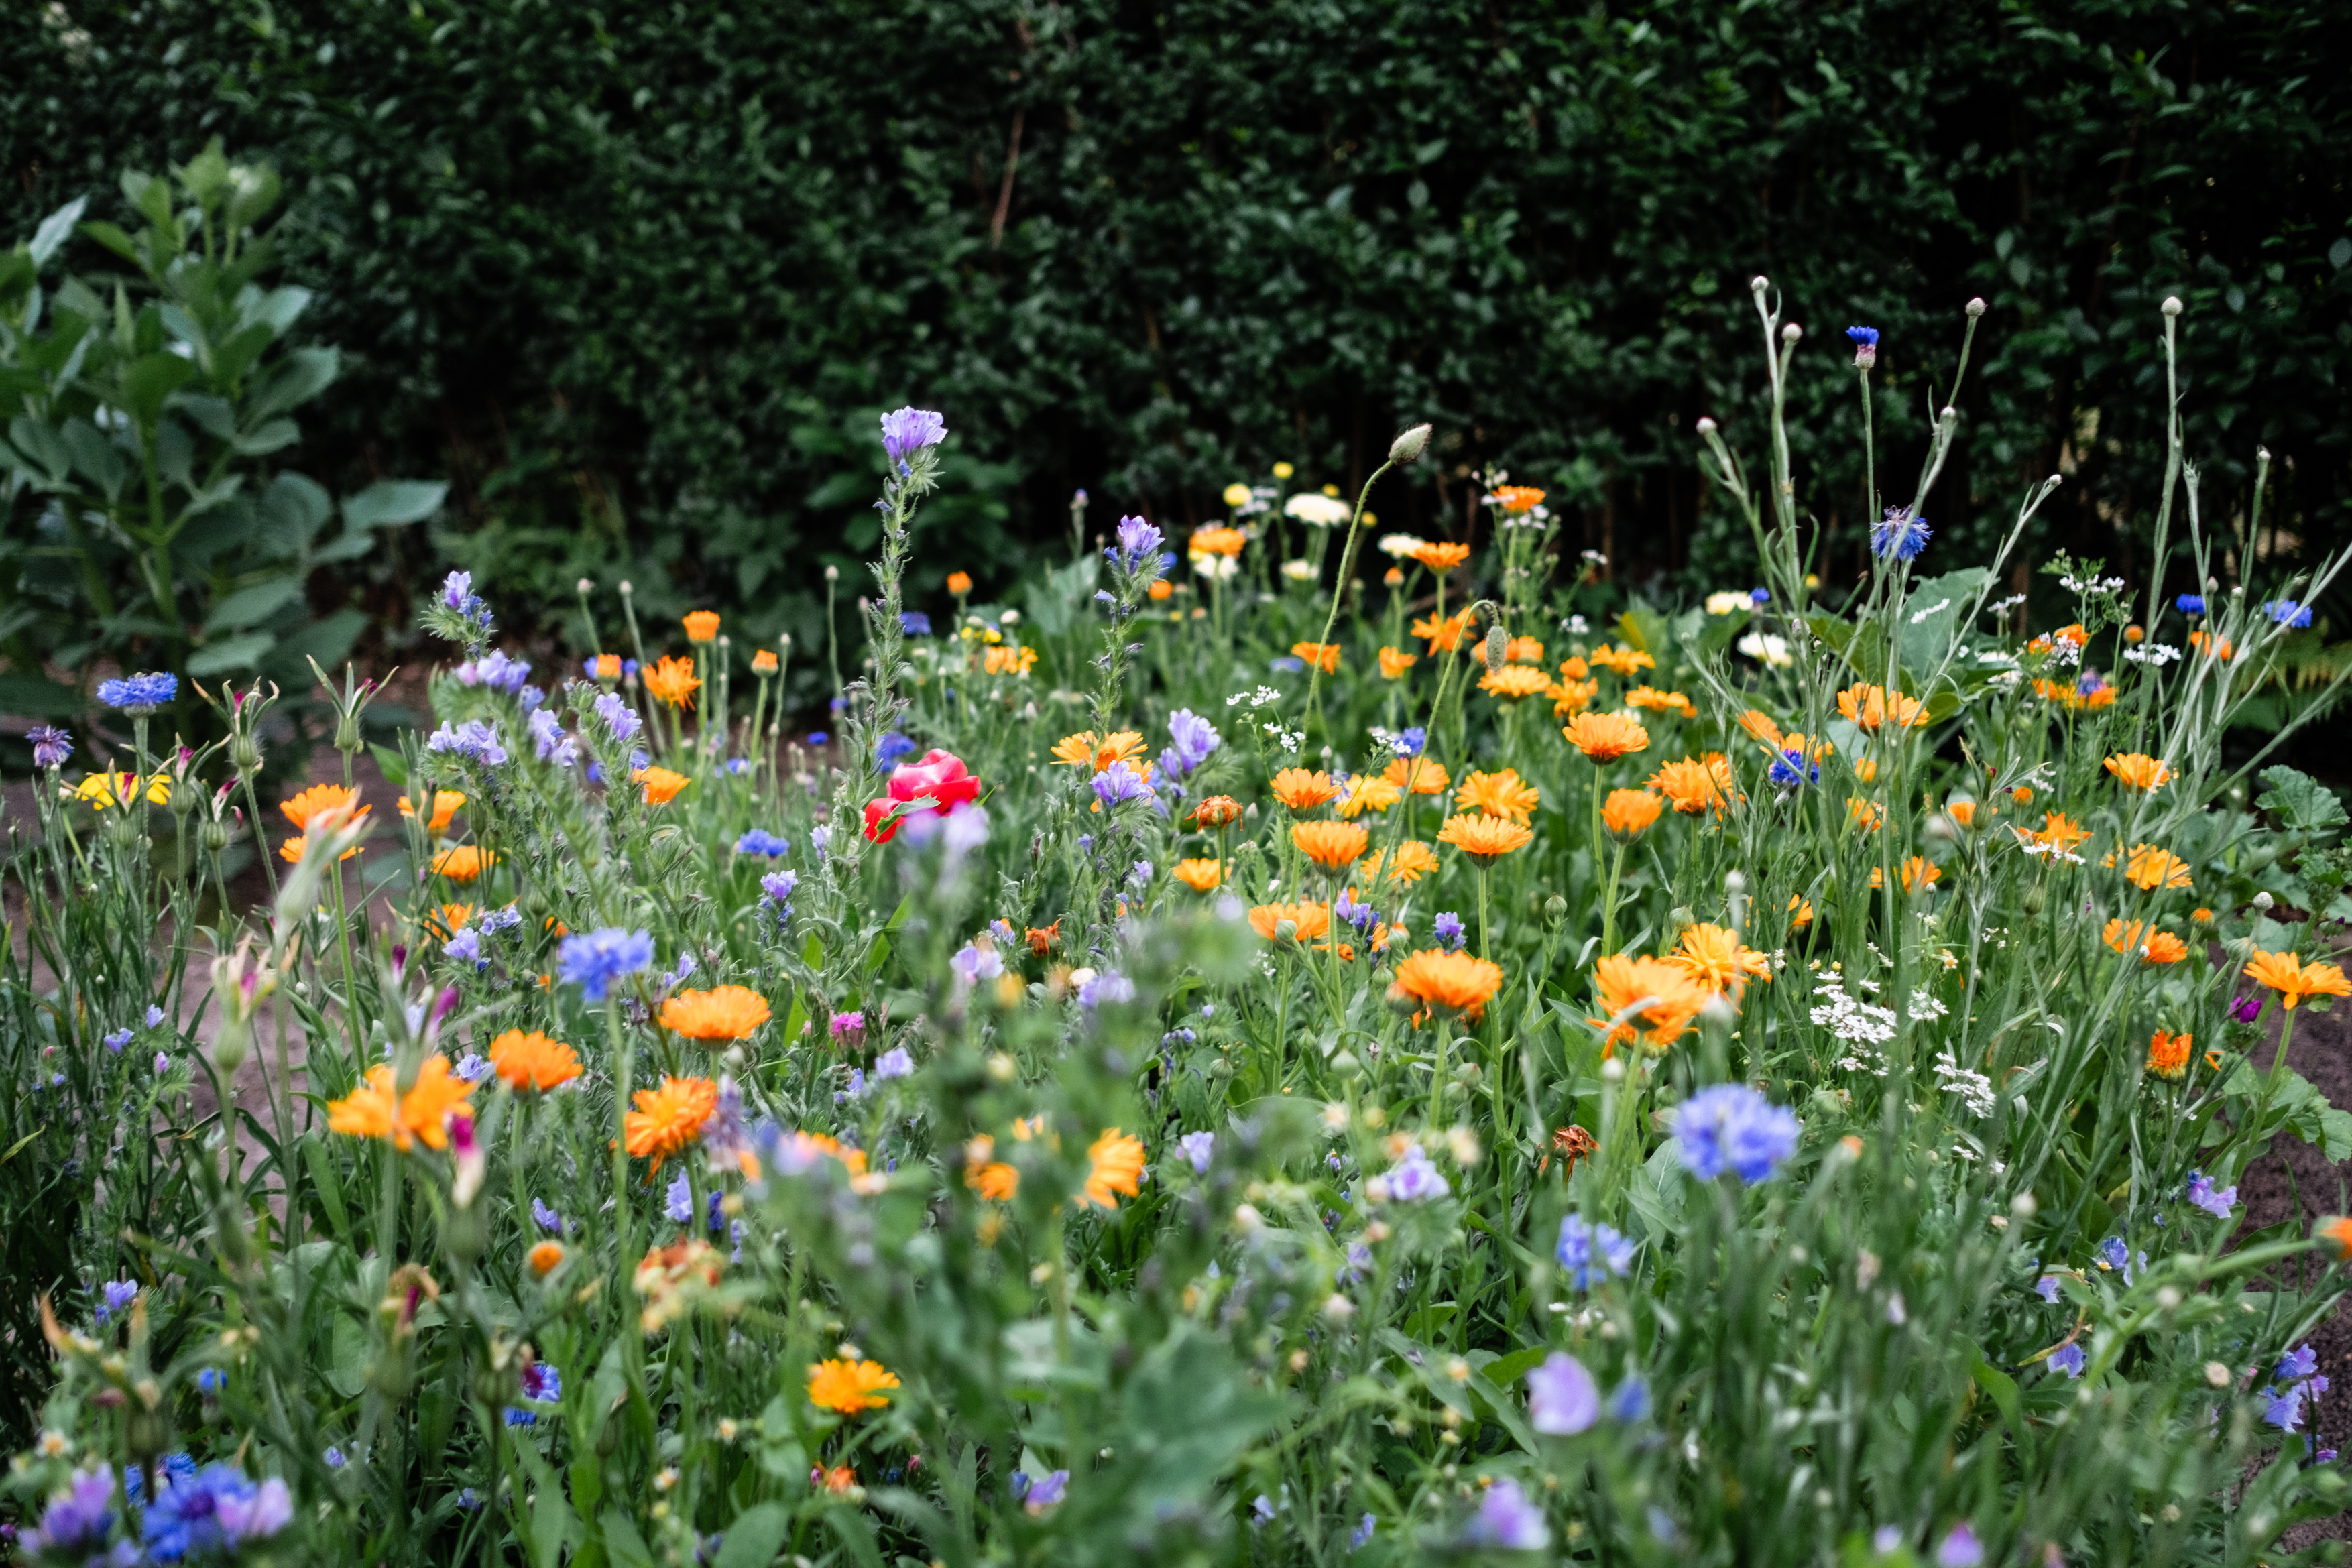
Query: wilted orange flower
point(544, 1259)
point(1761, 725)
point(532, 1061)
point(669, 1118)
point(2137, 770)
point(1087, 750)
point(2149, 867)
point(1448, 984)
point(1624, 661)
point(420, 1117)
point(1200, 875)
point(673, 681)
point(317, 798)
point(1672, 999)
point(985, 1174)
point(1114, 1166)
point(763, 663)
point(1302, 790)
point(294, 847)
point(1484, 838)
point(1661, 702)
point(1871, 707)
point(723, 1012)
point(2059, 832)
point(1570, 698)
point(661, 785)
point(1574, 668)
point(1696, 784)
point(1216, 541)
point(1440, 557)
point(1605, 736)
point(2293, 981)
point(1524, 651)
point(1517, 498)
point(1367, 792)
point(1326, 655)
point(1217, 812)
point(1712, 955)
point(1800, 912)
point(1418, 775)
point(1443, 635)
point(446, 803)
point(1312, 920)
point(959, 584)
point(1334, 846)
point(463, 863)
point(1502, 793)
point(1867, 815)
point(701, 625)
point(1393, 665)
point(1630, 811)
point(1007, 661)
point(1514, 682)
point(2168, 1054)
point(846, 1387)
point(1414, 860)
point(1916, 873)
point(2153, 946)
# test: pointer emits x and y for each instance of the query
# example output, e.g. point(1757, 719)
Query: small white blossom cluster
point(2004, 606)
point(2157, 653)
point(1258, 698)
point(1920, 618)
point(1974, 1089)
point(1286, 740)
point(2054, 852)
point(2091, 584)
point(1861, 1026)
point(2065, 651)
point(2006, 678)
point(1575, 626)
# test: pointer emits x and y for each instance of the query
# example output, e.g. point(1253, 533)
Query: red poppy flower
point(940, 776)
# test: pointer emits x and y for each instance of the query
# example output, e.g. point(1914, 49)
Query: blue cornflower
point(1900, 535)
point(816, 738)
point(890, 748)
point(2287, 612)
point(1731, 1127)
point(1759, 597)
point(1590, 1252)
point(211, 1512)
point(619, 715)
point(211, 1380)
point(1411, 742)
point(541, 1385)
point(914, 623)
point(80, 1518)
point(51, 746)
point(2190, 604)
point(498, 920)
point(546, 1218)
point(1288, 664)
point(1631, 1400)
point(760, 841)
point(116, 1041)
point(472, 739)
point(1865, 346)
point(1119, 784)
point(1448, 930)
point(594, 961)
point(137, 694)
point(907, 431)
point(1792, 769)
point(2068, 1359)
point(115, 1296)
point(1866, 336)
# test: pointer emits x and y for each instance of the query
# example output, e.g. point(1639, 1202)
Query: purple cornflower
point(138, 695)
point(2068, 1359)
point(1506, 1519)
point(776, 887)
point(1590, 1252)
point(1363, 916)
point(2118, 1256)
point(1413, 1179)
point(80, 1518)
point(908, 430)
point(1562, 1398)
point(154, 1015)
point(1959, 1548)
point(542, 1384)
point(1194, 738)
point(546, 1218)
point(1865, 346)
point(472, 739)
point(51, 746)
point(893, 1063)
point(1117, 784)
point(890, 748)
point(678, 1198)
point(760, 841)
point(473, 1067)
point(1447, 928)
point(1731, 1127)
point(2202, 1193)
point(618, 716)
point(914, 623)
point(115, 1296)
point(595, 961)
point(1900, 535)
point(2246, 1009)
point(212, 1510)
point(1198, 1148)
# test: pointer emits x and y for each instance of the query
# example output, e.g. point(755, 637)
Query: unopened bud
point(245, 756)
point(1409, 446)
point(2263, 454)
point(584, 586)
point(1555, 909)
point(213, 836)
point(1734, 884)
point(1498, 644)
point(1705, 425)
point(1791, 332)
point(2262, 900)
point(626, 588)
point(2171, 306)
point(1758, 284)
point(1976, 307)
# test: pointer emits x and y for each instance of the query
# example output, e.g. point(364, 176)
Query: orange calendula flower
point(1605, 736)
point(669, 1118)
point(1393, 665)
point(2338, 1233)
point(1712, 955)
point(1200, 875)
point(661, 785)
point(532, 1061)
point(1695, 785)
point(1310, 920)
point(1517, 498)
point(294, 848)
point(1484, 838)
point(448, 920)
point(1964, 812)
point(608, 666)
point(1217, 812)
point(1524, 651)
point(2294, 981)
point(420, 1117)
point(1161, 589)
point(1220, 540)
point(1574, 668)
point(1661, 702)
point(1418, 775)
point(1302, 790)
point(1502, 793)
point(1088, 750)
point(1571, 697)
point(1443, 635)
point(1874, 708)
point(1800, 912)
point(846, 1387)
point(2153, 946)
point(723, 1012)
point(2137, 770)
point(1916, 873)
point(1450, 985)
point(2149, 866)
point(463, 863)
point(959, 584)
point(985, 1174)
point(2168, 1054)
point(1114, 1166)
point(1367, 792)
point(1514, 682)
point(1867, 815)
point(763, 663)
point(1762, 726)
point(1334, 846)
point(2219, 649)
point(544, 1258)
point(1621, 660)
point(1041, 938)
point(1664, 998)
point(318, 799)
point(1414, 860)
point(2060, 834)
point(446, 803)
point(1440, 557)
point(1866, 769)
point(2202, 916)
point(1324, 654)
point(1630, 811)
point(673, 681)
point(701, 625)
point(1007, 661)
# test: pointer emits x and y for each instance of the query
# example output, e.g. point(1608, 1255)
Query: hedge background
point(638, 278)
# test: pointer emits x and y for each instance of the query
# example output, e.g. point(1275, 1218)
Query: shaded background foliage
point(636, 279)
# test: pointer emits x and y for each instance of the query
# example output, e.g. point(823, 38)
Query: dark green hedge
point(636, 278)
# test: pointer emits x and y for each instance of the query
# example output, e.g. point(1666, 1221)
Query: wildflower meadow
point(1293, 1043)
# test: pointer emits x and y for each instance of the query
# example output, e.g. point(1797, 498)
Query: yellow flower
point(1915, 871)
point(1570, 698)
point(2059, 832)
point(1238, 495)
point(1414, 860)
point(1502, 793)
point(727, 1012)
point(101, 790)
point(1484, 838)
point(1442, 558)
point(1870, 707)
point(1713, 957)
point(421, 1115)
point(846, 1387)
point(1008, 660)
point(317, 800)
point(1367, 792)
point(1661, 702)
point(463, 863)
point(1113, 1165)
point(1450, 983)
point(2293, 981)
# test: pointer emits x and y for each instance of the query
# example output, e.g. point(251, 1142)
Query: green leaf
point(252, 604)
point(111, 236)
point(394, 768)
point(295, 380)
point(54, 230)
point(147, 381)
point(38, 441)
point(2300, 801)
point(755, 1537)
point(327, 1183)
point(1941, 600)
point(2303, 1111)
point(622, 1544)
point(96, 458)
point(271, 435)
point(390, 502)
point(327, 641)
point(292, 509)
point(241, 653)
point(36, 696)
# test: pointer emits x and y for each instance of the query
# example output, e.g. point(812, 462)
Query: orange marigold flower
point(1007, 661)
point(1712, 955)
point(420, 1117)
point(532, 1061)
point(2168, 1054)
point(661, 784)
point(1574, 668)
point(1867, 815)
point(1571, 697)
point(1696, 784)
point(1418, 775)
point(1866, 769)
point(1114, 1166)
point(763, 663)
point(1393, 665)
point(1440, 557)
point(1800, 912)
point(1161, 589)
point(2023, 794)
point(1662, 995)
point(1484, 838)
point(2218, 650)
point(1448, 984)
point(1524, 651)
point(1393, 576)
point(846, 1387)
point(1302, 790)
point(2338, 1234)
point(2294, 981)
point(1088, 750)
point(1605, 736)
point(723, 1012)
point(701, 625)
point(669, 1118)
point(448, 920)
point(1872, 707)
point(1216, 541)
point(1334, 846)
point(1217, 812)
point(2153, 946)
point(1200, 875)
point(1502, 793)
point(959, 582)
point(1517, 498)
point(985, 1174)
point(673, 681)
point(2202, 916)
point(1443, 635)
point(294, 848)
point(1311, 920)
point(1661, 702)
point(608, 666)
point(544, 1258)
point(1624, 661)
point(446, 803)
point(1916, 873)
point(1630, 811)
point(1964, 812)
point(1041, 938)
point(2060, 834)
point(1367, 792)
point(1324, 655)
point(2138, 770)
point(1514, 682)
point(1414, 860)
point(2149, 867)
point(317, 798)
point(1762, 726)
point(463, 863)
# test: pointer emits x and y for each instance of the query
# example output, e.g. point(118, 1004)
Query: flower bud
point(1758, 284)
point(1555, 909)
point(235, 1039)
point(833, 574)
point(1705, 425)
point(584, 586)
point(1498, 644)
point(245, 756)
point(1346, 1067)
point(2171, 306)
point(1791, 332)
point(626, 588)
point(213, 835)
point(1975, 308)
point(1409, 446)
